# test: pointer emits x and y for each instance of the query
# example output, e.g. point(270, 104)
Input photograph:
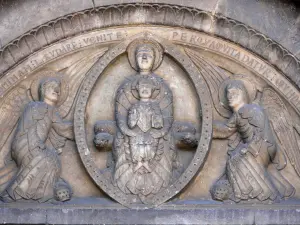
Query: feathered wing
point(11, 109)
point(213, 76)
point(74, 75)
point(282, 125)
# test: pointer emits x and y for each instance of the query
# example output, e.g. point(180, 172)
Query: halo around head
point(250, 88)
point(42, 77)
point(134, 45)
point(156, 88)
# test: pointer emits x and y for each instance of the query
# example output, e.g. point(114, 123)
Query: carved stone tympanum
point(122, 106)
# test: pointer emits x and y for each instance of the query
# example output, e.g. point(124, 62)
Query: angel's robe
point(39, 166)
point(251, 154)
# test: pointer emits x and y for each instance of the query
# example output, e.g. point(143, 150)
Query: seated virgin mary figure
point(40, 135)
point(143, 148)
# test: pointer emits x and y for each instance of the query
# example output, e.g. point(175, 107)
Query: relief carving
point(141, 144)
point(39, 137)
point(144, 137)
point(195, 19)
point(141, 151)
point(255, 154)
point(145, 106)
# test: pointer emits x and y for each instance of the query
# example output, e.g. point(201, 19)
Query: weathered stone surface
point(183, 213)
point(278, 20)
point(207, 5)
point(146, 85)
point(281, 20)
point(18, 17)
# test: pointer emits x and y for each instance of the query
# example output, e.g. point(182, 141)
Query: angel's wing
point(10, 110)
point(213, 76)
point(74, 75)
point(12, 106)
point(282, 125)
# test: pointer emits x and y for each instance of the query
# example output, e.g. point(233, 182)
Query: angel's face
point(145, 59)
point(52, 92)
point(235, 97)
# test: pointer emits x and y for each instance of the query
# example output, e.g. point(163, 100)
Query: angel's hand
point(223, 130)
point(103, 141)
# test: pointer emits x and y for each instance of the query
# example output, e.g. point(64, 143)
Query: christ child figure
point(145, 119)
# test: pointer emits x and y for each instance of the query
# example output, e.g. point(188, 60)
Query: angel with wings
point(262, 138)
point(252, 169)
point(35, 120)
point(38, 164)
point(143, 147)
